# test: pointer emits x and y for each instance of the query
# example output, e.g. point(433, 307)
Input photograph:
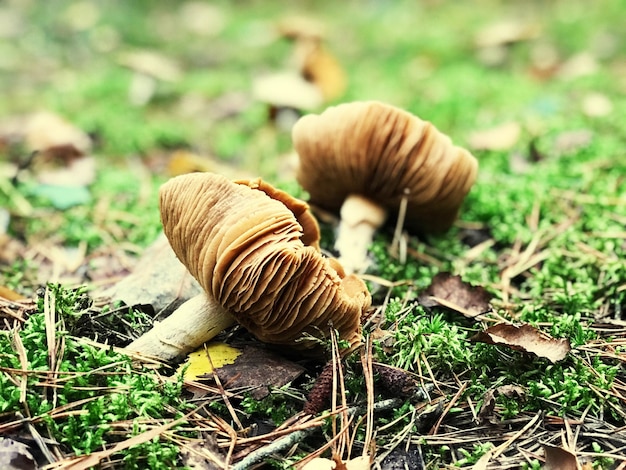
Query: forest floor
point(498, 344)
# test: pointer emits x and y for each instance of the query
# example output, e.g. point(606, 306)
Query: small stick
point(398, 244)
point(297, 436)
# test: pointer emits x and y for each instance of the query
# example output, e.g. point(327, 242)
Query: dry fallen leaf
point(579, 65)
point(159, 279)
point(572, 141)
point(181, 162)
point(9, 294)
point(204, 454)
point(487, 414)
point(49, 133)
point(511, 391)
point(559, 458)
point(15, 456)
point(201, 363)
point(259, 369)
point(451, 292)
point(525, 338)
point(59, 157)
point(287, 90)
point(506, 31)
point(597, 105)
point(322, 68)
point(501, 137)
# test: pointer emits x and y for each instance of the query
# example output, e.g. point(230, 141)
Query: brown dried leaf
point(501, 137)
point(76, 172)
point(597, 104)
point(15, 456)
point(159, 279)
point(511, 391)
point(486, 413)
point(260, 369)
point(572, 141)
point(559, 458)
point(451, 292)
point(525, 338)
point(49, 133)
point(62, 150)
point(204, 454)
point(9, 294)
point(152, 63)
point(323, 69)
point(505, 32)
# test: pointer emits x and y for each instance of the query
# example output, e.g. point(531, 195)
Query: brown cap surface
point(254, 249)
point(379, 151)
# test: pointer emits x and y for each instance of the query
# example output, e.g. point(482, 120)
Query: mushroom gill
point(255, 251)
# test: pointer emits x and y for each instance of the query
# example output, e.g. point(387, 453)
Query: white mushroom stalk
point(198, 320)
point(360, 220)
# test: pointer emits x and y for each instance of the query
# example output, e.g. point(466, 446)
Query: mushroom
point(255, 251)
point(286, 95)
point(363, 160)
point(312, 57)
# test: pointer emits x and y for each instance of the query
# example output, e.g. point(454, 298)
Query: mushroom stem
point(196, 321)
point(360, 218)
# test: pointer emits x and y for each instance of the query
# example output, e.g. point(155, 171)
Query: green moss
point(112, 389)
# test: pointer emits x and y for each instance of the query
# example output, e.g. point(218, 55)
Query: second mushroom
point(363, 160)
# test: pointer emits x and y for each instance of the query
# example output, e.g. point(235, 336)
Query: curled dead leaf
point(506, 31)
point(447, 290)
point(15, 455)
point(501, 137)
point(525, 338)
point(559, 458)
point(49, 133)
point(487, 413)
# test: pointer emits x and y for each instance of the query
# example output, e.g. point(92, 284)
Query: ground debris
point(15, 455)
point(449, 291)
point(524, 338)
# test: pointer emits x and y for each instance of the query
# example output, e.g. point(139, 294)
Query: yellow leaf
point(204, 360)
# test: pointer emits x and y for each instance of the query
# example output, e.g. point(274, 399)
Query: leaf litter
point(449, 291)
point(525, 338)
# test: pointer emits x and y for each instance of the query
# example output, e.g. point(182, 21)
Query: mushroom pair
point(255, 251)
point(364, 159)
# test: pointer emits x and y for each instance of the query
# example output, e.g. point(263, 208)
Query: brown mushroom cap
point(379, 151)
point(254, 249)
